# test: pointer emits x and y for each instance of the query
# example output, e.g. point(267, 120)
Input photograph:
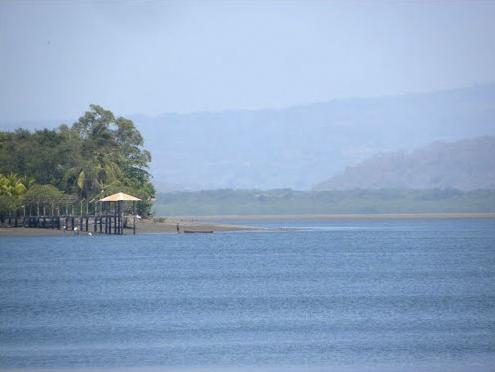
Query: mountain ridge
point(463, 165)
point(299, 146)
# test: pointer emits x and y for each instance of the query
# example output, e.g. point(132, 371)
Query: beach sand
point(187, 224)
point(142, 227)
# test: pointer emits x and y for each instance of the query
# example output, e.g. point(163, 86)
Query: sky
point(153, 57)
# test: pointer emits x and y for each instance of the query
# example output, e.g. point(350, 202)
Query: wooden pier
point(109, 217)
point(99, 224)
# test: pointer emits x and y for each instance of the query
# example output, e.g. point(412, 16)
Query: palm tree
point(94, 175)
point(14, 185)
point(12, 188)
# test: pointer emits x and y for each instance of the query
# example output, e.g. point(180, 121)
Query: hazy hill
point(297, 147)
point(462, 165)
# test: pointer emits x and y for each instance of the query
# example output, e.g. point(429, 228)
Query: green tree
point(12, 188)
point(113, 156)
point(98, 154)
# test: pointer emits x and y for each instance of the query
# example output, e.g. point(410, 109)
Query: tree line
point(98, 155)
point(292, 202)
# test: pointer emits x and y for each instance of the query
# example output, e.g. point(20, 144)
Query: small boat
point(198, 231)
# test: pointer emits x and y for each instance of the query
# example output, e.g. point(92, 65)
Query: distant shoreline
point(211, 223)
point(335, 217)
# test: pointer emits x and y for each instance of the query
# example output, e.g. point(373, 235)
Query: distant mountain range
point(297, 147)
point(463, 165)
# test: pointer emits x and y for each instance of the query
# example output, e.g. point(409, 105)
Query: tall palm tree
point(93, 175)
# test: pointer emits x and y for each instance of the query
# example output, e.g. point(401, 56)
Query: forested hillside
point(463, 165)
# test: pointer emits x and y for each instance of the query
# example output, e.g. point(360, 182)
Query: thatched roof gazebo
point(118, 199)
point(120, 196)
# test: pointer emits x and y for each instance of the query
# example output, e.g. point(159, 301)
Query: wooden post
point(119, 230)
point(121, 227)
point(133, 217)
point(122, 208)
point(115, 218)
point(105, 228)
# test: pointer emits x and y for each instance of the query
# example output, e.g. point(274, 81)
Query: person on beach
point(178, 228)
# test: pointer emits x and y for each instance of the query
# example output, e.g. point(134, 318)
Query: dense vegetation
point(98, 155)
point(285, 201)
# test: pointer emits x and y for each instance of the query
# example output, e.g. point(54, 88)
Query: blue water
point(335, 294)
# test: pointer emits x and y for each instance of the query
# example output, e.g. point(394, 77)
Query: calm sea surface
point(396, 295)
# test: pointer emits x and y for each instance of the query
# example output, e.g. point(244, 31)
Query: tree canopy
point(97, 155)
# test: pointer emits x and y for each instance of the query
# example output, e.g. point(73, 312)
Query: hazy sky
point(150, 57)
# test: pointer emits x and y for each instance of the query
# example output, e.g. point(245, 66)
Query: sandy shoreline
point(210, 223)
point(188, 224)
point(143, 227)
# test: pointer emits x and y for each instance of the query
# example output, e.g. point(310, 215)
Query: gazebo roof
point(120, 196)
